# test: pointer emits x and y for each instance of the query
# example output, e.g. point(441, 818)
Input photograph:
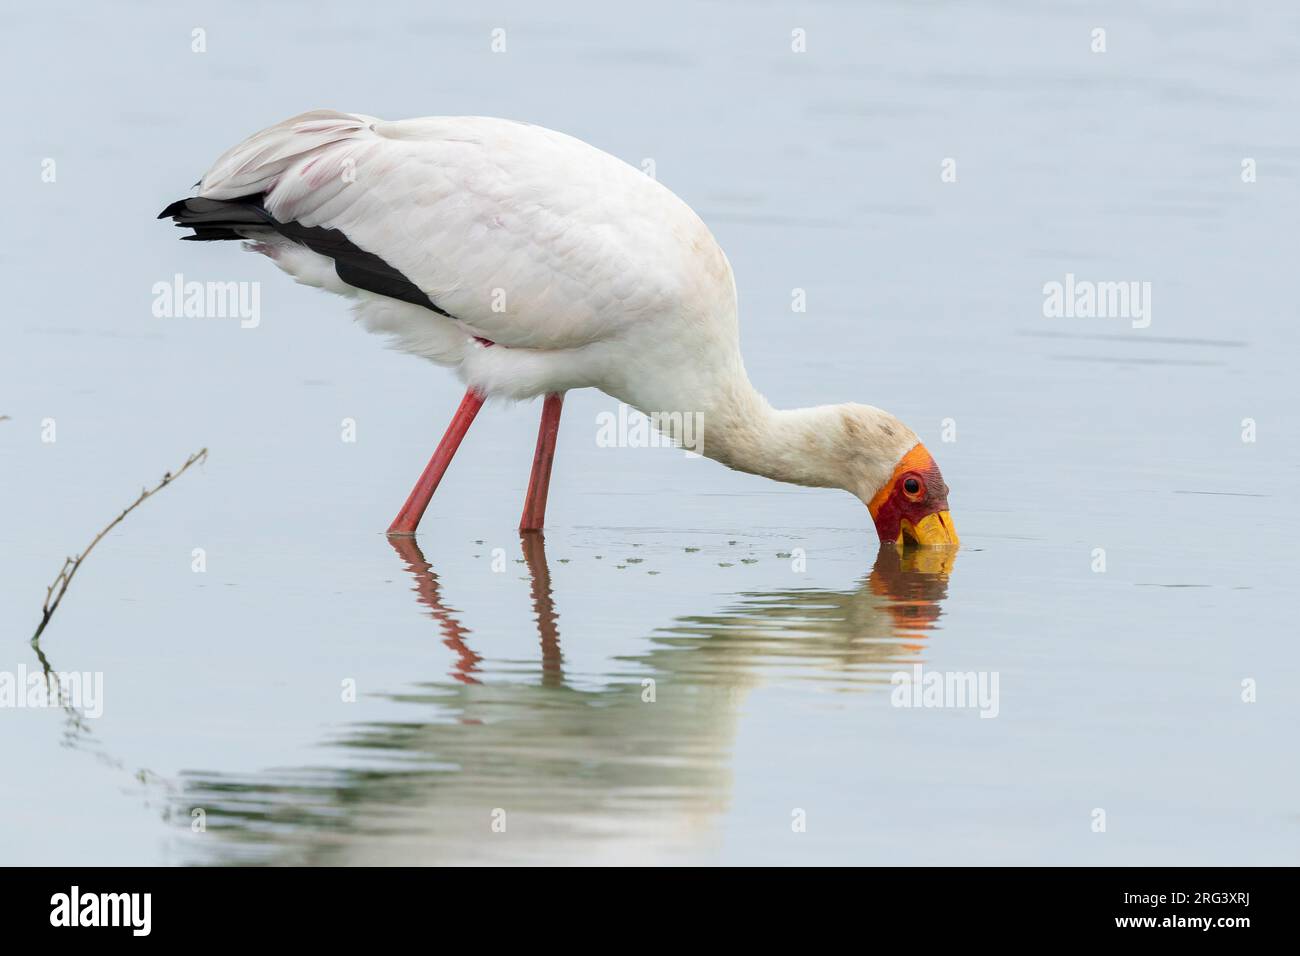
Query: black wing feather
point(214, 219)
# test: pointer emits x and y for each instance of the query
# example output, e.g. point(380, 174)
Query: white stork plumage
point(533, 263)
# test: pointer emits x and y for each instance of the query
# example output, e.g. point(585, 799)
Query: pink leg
point(539, 483)
point(408, 519)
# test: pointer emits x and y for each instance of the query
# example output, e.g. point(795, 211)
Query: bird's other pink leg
point(540, 481)
point(408, 519)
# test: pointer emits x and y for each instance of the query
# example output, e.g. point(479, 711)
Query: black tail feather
point(214, 219)
point(219, 218)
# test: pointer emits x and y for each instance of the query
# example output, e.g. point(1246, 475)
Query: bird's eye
point(912, 486)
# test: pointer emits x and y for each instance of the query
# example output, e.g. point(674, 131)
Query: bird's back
point(522, 235)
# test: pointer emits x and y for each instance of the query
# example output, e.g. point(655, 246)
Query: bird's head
point(898, 480)
point(912, 505)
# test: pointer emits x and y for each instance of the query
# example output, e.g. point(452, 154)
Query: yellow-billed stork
point(533, 263)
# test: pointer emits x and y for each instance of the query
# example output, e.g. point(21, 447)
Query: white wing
point(528, 237)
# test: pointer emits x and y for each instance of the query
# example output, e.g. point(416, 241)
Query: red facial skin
point(894, 502)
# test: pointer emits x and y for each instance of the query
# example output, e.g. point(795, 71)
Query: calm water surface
point(499, 678)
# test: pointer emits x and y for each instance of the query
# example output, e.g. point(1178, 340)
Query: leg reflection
point(534, 545)
point(429, 593)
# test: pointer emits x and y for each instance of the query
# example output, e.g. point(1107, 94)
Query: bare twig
point(59, 587)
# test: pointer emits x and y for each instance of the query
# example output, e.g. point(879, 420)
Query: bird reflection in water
point(580, 773)
point(428, 592)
